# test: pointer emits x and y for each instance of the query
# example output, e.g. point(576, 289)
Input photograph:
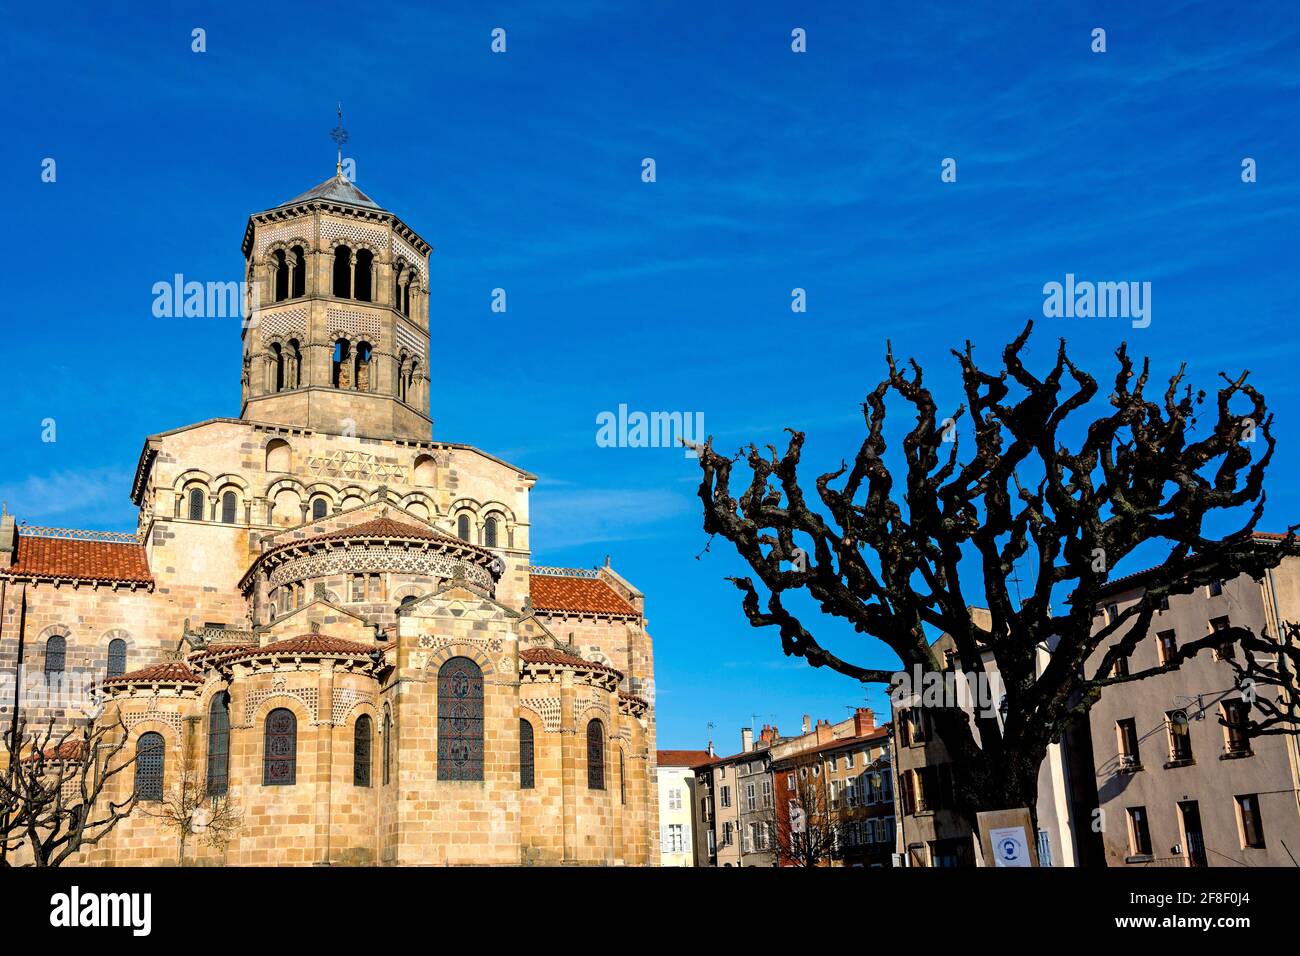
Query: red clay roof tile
point(171, 672)
point(584, 595)
point(682, 758)
point(69, 558)
point(551, 655)
point(308, 644)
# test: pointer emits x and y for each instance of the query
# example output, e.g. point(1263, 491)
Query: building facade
point(676, 781)
point(1178, 783)
point(331, 620)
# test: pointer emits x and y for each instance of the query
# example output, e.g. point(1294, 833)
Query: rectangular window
point(713, 843)
point(1120, 667)
point(676, 838)
point(1216, 588)
point(750, 802)
point(1126, 732)
point(1180, 736)
point(1139, 835)
point(726, 796)
point(1166, 646)
point(848, 759)
point(1234, 718)
point(1112, 612)
point(1162, 604)
point(1227, 650)
point(726, 834)
point(789, 781)
point(907, 786)
point(835, 794)
point(1252, 826)
point(767, 793)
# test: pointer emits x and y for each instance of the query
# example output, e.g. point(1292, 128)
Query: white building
point(676, 798)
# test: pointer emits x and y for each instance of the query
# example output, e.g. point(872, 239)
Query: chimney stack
point(864, 722)
point(824, 733)
point(8, 540)
point(769, 735)
point(807, 724)
point(711, 748)
point(746, 739)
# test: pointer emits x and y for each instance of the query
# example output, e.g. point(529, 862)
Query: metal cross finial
point(340, 136)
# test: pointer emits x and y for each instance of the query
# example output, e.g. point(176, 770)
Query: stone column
point(569, 766)
point(324, 782)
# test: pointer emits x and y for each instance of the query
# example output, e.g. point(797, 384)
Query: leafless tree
point(1071, 498)
point(51, 788)
point(190, 811)
point(1269, 678)
point(803, 821)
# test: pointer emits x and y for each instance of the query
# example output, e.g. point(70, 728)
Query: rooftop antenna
point(340, 136)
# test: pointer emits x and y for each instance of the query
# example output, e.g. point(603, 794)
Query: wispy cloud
point(83, 494)
point(572, 518)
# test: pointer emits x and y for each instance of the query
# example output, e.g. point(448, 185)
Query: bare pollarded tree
point(189, 810)
point(903, 551)
point(51, 788)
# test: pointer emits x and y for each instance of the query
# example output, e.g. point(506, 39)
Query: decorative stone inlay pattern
point(403, 248)
point(292, 230)
point(363, 325)
point(355, 464)
point(333, 231)
point(406, 339)
point(171, 720)
point(399, 560)
point(308, 696)
point(345, 699)
point(548, 709)
point(592, 702)
point(433, 642)
point(287, 322)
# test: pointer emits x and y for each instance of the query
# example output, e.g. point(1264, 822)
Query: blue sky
point(775, 170)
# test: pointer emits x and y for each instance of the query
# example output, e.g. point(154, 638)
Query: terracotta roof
point(551, 655)
point(308, 644)
point(585, 595)
point(68, 750)
point(70, 558)
point(171, 672)
point(384, 528)
point(682, 758)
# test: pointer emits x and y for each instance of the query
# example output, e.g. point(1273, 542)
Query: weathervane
point(340, 136)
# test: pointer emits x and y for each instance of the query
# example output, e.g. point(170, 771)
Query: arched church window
point(56, 655)
point(299, 285)
point(364, 285)
point(229, 504)
point(319, 508)
point(490, 533)
point(342, 273)
point(292, 364)
point(622, 779)
point(401, 275)
point(342, 375)
point(460, 720)
point(116, 657)
point(277, 365)
point(280, 749)
point(280, 265)
point(361, 378)
point(361, 752)
point(462, 527)
point(150, 753)
point(196, 504)
point(409, 599)
point(595, 755)
point(388, 737)
point(526, 776)
point(219, 744)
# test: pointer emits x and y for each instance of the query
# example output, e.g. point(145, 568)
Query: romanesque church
point(331, 621)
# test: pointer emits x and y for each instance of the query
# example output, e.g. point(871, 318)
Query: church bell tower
point(337, 337)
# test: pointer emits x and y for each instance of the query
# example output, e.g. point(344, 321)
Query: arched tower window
point(362, 376)
point(595, 755)
point(622, 779)
point(281, 266)
point(150, 754)
point(526, 776)
point(229, 504)
point(299, 285)
point(342, 376)
point(462, 527)
point(116, 657)
point(277, 363)
point(460, 720)
point(292, 361)
point(196, 504)
point(278, 455)
point(319, 508)
point(280, 749)
point(56, 655)
point(364, 285)
point(388, 746)
point(361, 734)
point(343, 272)
point(400, 276)
point(490, 533)
point(219, 744)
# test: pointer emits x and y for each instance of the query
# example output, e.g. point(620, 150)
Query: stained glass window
point(149, 753)
point(462, 527)
point(460, 720)
point(318, 508)
point(595, 755)
point(116, 657)
point(196, 504)
point(525, 755)
point(56, 655)
point(361, 752)
point(228, 503)
point(280, 754)
point(490, 533)
point(219, 745)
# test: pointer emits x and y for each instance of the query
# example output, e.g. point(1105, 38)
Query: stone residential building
point(676, 782)
point(332, 620)
point(1178, 784)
